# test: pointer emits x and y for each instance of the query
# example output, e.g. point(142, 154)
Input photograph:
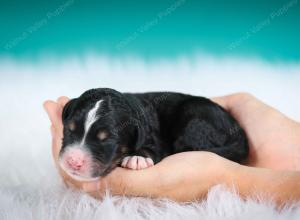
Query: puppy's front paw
point(137, 162)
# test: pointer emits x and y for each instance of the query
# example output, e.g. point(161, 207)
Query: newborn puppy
point(104, 128)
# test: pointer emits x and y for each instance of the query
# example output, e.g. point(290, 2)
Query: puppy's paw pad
point(137, 162)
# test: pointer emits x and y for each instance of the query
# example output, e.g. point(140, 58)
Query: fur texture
point(30, 187)
point(150, 125)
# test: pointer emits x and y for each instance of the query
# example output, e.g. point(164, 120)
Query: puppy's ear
point(68, 109)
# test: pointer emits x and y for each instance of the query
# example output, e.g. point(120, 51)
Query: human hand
point(182, 177)
point(187, 176)
point(274, 139)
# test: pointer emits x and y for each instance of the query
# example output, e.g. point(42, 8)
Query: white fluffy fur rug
point(29, 185)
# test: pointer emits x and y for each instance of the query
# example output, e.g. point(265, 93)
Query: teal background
point(194, 26)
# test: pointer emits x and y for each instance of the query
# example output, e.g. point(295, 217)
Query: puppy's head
point(98, 131)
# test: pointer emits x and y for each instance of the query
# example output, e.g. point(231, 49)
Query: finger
point(95, 188)
point(222, 101)
point(52, 129)
point(56, 146)
point(56, 143)
point(54, 112)
point(124, 181)
point(51, 108)
point(63, 100)
point(226, 101)
point(98, 194)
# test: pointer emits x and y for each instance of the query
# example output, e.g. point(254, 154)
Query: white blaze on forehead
point(92, 116)
point(90, 119)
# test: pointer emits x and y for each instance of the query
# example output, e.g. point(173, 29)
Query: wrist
point(279, 186)
point(249, 181)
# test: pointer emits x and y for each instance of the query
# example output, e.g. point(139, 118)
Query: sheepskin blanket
point(30, 187)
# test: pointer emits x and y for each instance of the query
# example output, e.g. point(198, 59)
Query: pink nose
point(75, 159)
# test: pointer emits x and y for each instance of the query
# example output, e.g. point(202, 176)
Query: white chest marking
point(90, 120)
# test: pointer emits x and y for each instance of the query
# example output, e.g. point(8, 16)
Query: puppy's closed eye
point(102, 135)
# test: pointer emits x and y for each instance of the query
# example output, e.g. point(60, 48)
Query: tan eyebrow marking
point(102, 135)
point(72, 125)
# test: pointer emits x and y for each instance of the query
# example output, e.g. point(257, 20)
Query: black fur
point(155, 125)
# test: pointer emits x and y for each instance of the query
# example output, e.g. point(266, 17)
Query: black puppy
point(104, 128)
